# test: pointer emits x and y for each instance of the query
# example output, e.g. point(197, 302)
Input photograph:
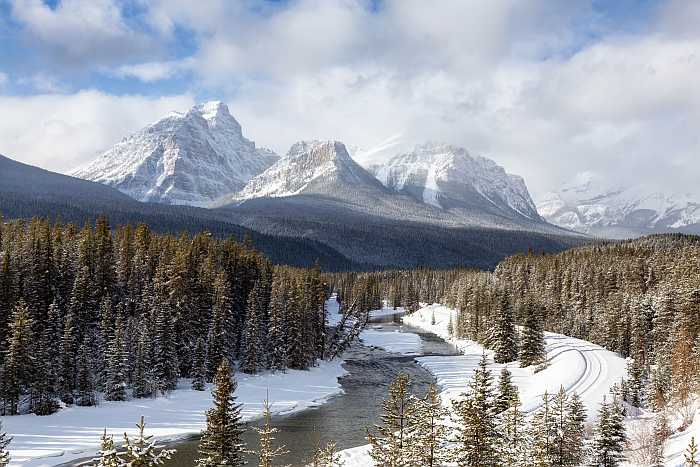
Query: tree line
point(95, 312)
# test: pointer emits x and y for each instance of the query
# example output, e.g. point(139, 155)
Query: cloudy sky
point(546, 88)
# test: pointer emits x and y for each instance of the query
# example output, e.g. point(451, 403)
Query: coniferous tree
point(69, 367)
point(85, 382)
point(507, 391)
point(108, 453)
point(267, 452)
point(165, 353)
point(199, 367)
point(390, 446)
point(4, 442)
point(17, 371)
point(515, 441)
point(428, 432)
point(575, 428)
point(219, 341)
point(45, 386)
point(543, 432)
point(142, 452)
point(609, 441)
point(253, 355)
point(503, 338)
point(326, 456)
point(144, 382)
point(277, 333)
point(221, 442)
point(691, 456)
point(115, 384)
point(476, 436)
point(532, 350)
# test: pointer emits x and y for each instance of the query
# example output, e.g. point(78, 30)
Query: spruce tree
point(532, 351)
point(326, 456)
point(503, 338)
point(85, 381)
point(18, 365)
point(576, 429)
point(691, 456)
point(515, 440)
point(4, 442)
point(277, 333)
point(390, 446)
point(543, 433)
point(142, 452)
point(609, 441)
point(267, 452)
point(507, 391)
point(428, 432)
point(165, 360)
point(115, 384)
point(69, 367)
point(143, 383)
point(199, 367)
point(221, 442)
point(475, 417)
point(108, 453)
point(45, 387)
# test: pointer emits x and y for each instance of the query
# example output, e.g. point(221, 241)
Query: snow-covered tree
point(427, 430)
point(609, 441)
point(543, 433)
point(390, 444)
point(199, 367)
point(221, 442)
point(115, 384)
point(326, 456)
point(4, 442)
point(691, 456)
point(503, 339)
point(108, 453)
point(575, 428)
point(18, 363)
point(515, 440)
point(475, 417)
point(532, 350)
point(142, 452)
point(267, 452)
point(507, 391)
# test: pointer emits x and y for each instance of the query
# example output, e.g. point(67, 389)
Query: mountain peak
point(192, 158)
point(309, 167)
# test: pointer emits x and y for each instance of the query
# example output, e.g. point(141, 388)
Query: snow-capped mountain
point(591, 205)
point(448, 178)
point(191, 158)
point(310, 167)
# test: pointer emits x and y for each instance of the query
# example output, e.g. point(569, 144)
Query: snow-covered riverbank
point(576, 365)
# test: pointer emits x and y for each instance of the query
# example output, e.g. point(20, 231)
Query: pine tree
point(45, 384)
point(199, 367)
point(507, 391)
point(691, 456)
point(326, 456)
point(503, 338)
point(532, 351)
point(143, 383)
point(575, 428)
point(142, 452)
point(4, 442)
point(219, 341)
point(428, 433)
point(475, 416)
point(253, 350)
point(266, 452)
point(277, 333)
point(221, 442)
point(108, 453)
point(115, 384)
point(85, 382)
point(515, 440)
point(17, 372)
point(165, 354)
point(543, 432)
point(389, 447)
point(69, 368)
point(609, 441)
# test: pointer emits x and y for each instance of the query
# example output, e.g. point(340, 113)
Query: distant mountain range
point(589, 204)
point(435, 205)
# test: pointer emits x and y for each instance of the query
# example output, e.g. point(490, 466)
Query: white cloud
point(80, 32)
point(150, 72)
point(59, 132)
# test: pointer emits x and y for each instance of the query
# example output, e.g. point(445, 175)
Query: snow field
point(405, 343)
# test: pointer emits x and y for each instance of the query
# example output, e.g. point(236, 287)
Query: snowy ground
point(574, 364)
point(75, 432)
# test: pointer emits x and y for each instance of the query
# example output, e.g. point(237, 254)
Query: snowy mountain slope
point(319, 167)
point(191, 158)
point(449, 178)
point(588, 204)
